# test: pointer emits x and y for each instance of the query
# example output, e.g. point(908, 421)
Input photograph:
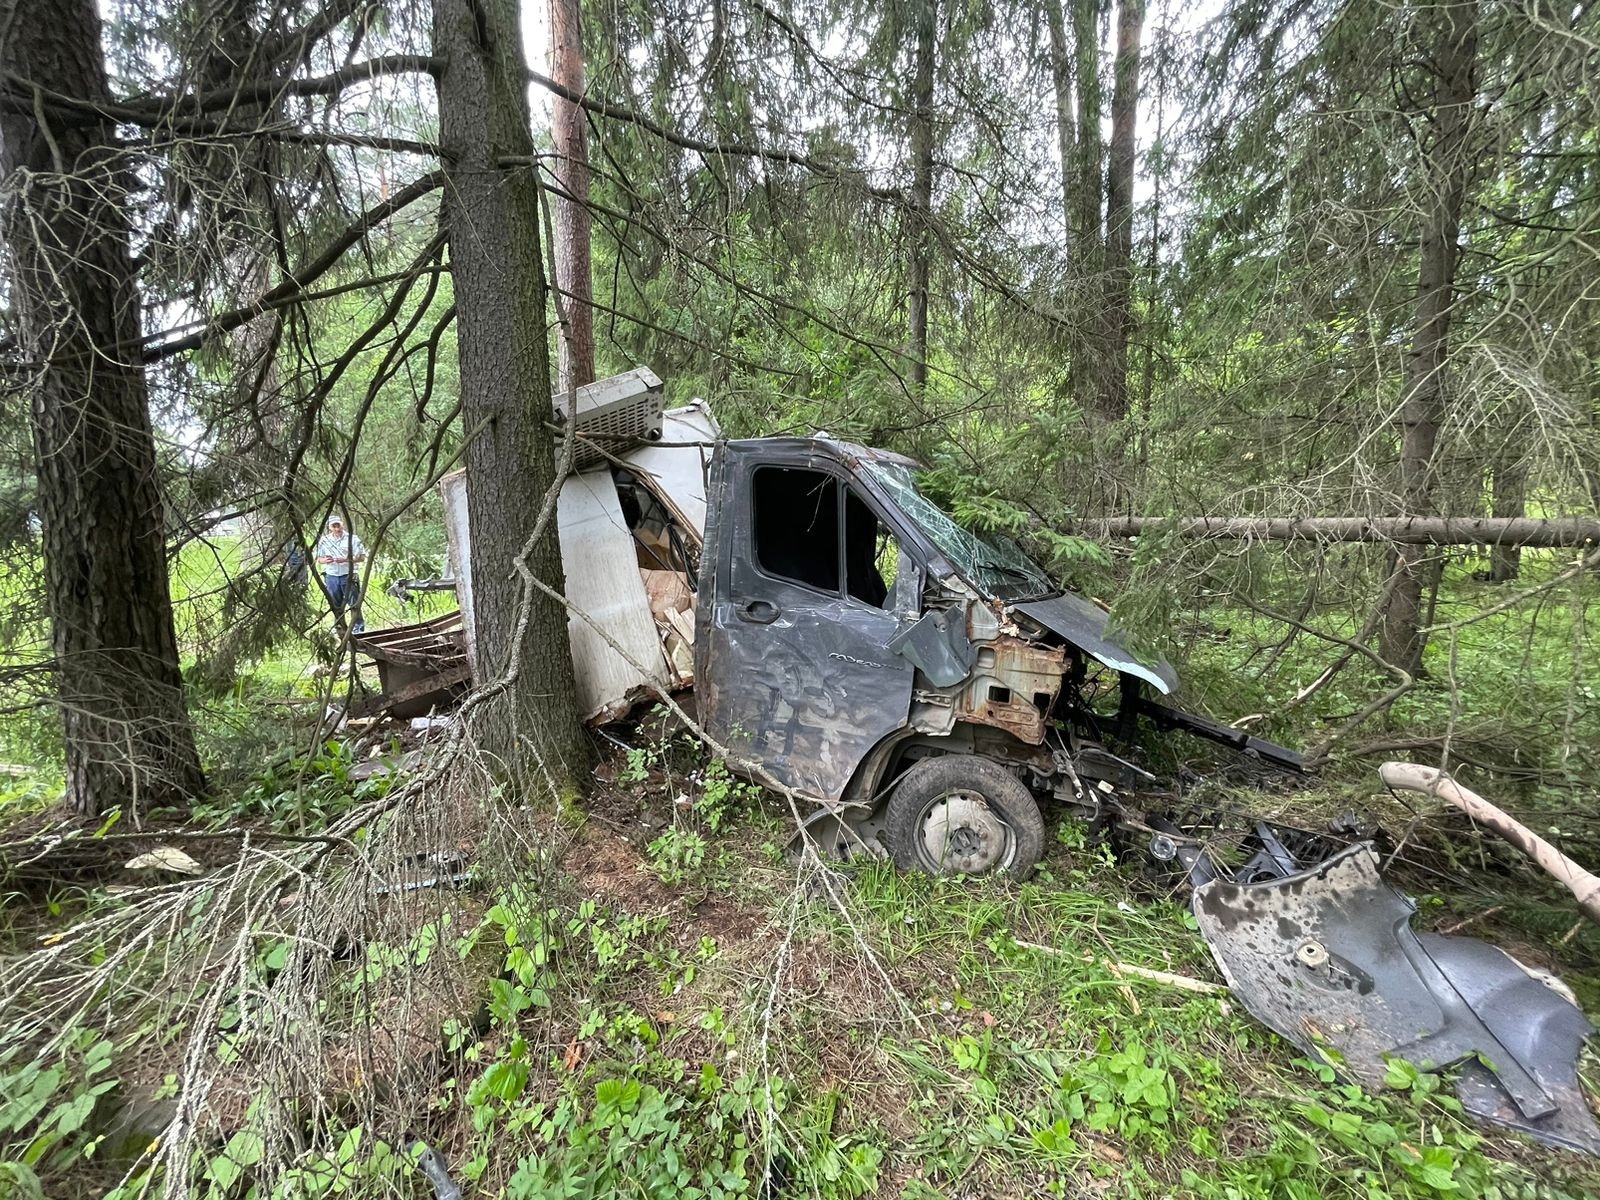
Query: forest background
point(1087, 261)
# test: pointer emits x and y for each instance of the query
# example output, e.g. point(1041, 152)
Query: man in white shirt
point(338, 552)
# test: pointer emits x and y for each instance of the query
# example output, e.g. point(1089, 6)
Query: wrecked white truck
point(927, 689)
point(924, 686)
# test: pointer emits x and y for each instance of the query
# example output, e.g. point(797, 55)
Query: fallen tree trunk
point(1431, 781)
point(1530, 532)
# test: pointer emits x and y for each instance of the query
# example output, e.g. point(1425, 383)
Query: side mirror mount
point(908, 581)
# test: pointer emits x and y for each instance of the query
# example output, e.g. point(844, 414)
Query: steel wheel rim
point(958, 832)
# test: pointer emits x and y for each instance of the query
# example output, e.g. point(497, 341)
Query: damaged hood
point(1084, 625)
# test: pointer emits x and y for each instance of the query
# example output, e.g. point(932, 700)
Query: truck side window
point(868, 548)
point(796, 525)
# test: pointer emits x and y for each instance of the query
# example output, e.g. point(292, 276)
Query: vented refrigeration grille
point(625, 406)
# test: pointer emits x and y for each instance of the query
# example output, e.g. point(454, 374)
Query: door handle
point(759, 612)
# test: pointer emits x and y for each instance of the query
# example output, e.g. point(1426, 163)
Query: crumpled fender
point(1328, 959)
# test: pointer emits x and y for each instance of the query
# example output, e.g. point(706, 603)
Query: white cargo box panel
point(601, 563)
point(602, 567)
point(677, 465)
point(458, 537)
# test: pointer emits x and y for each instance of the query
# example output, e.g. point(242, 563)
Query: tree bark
point(1530, 532)
point(70, 283)
point(1088, 175)
point(1117, 306)
point(1066, 129)
point(1084, 211)
point(574, 273)
point(531, 727)
point(921, 191)
point(1447, 169)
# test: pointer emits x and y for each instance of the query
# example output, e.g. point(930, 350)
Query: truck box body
point(623, 570)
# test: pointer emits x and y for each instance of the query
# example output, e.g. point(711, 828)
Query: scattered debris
point(435, 869)
point(165, 858)
point(432, 1164)
point(1183, 982)
point(421, 667)
point(387, 764)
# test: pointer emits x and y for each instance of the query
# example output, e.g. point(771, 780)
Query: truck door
point(792, 664)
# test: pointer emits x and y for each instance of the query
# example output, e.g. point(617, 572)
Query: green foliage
point(48, 1100)
point(677, 854)
point(637, 1119)
point(302, 792)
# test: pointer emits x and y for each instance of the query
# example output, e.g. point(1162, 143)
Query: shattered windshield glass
point(995, 565)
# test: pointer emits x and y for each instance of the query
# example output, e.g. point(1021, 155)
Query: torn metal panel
point(937, 645)
point(1537, 1024)
point(600, 561)
point(1014, 685)
point(1327, 957)
point(1084, 625)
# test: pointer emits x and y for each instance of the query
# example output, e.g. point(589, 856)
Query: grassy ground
point(262, 709)
point(651, 999)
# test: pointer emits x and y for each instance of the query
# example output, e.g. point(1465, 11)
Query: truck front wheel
point(961, 815)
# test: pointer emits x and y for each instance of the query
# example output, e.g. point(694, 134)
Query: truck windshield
point(994, 565)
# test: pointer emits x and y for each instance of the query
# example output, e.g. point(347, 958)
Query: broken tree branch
point(1431, 781)
point(1533, 532)
point(617, 112)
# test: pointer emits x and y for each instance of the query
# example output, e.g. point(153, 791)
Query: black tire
point(992, 800)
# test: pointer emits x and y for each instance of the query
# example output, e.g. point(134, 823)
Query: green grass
point(696, 1019)
point(666, 1022)
point(237, 727)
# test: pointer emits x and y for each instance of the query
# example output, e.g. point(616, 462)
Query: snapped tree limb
point(1431, 781)
point(1532, 532)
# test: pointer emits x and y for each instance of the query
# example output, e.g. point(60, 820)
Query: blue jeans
point(345, 592)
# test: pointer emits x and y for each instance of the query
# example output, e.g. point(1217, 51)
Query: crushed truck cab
point(926, 684)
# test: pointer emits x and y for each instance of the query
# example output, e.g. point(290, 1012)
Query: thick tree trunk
point(921, 191)
point(1448, 167)
point(70, 285)
point(1117, 307)
point(1066, 129)
point(492, 213)
point(1084, 211)
point(573, 237)
point(1530, 532)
